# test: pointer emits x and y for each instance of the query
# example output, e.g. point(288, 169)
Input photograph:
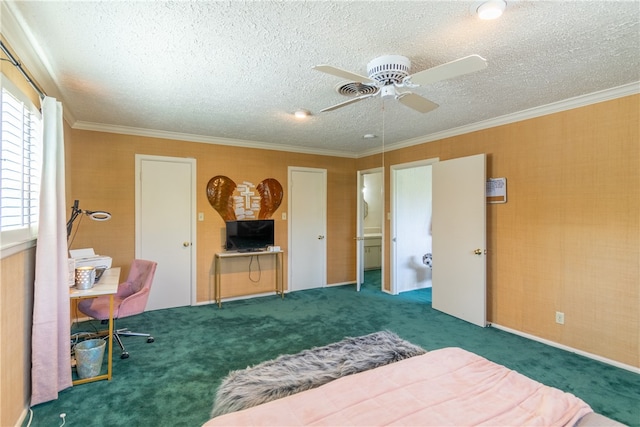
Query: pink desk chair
point(130, 299)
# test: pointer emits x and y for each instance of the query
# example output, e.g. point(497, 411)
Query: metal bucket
point(85, 277)
point(89, 355)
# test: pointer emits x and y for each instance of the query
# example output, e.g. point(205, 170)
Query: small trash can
point(89, 355)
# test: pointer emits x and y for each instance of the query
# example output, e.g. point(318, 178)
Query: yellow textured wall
point(102, 167)
point(16, 305)
point(568, 239)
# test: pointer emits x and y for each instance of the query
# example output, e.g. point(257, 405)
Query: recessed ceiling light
point(302, 114)
point(490, 9)
point(369, 136)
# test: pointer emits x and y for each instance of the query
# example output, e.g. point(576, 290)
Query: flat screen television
point(249, 235)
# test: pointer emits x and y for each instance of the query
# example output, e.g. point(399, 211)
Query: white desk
point(279, 288)
point(107, 285)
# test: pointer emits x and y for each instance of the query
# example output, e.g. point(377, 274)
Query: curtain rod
point(18, 65)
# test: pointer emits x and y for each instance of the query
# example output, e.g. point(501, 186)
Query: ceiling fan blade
point(417, 102)
point(338, 72)
point(468, 64)
point(345, 103)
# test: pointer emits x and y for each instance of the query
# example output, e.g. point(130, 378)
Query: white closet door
point(307, 228)
point(164, 227)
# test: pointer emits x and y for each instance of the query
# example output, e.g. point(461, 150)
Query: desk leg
point(279, 279)
point(110, 359)
point(106, 376)
point(217, 291)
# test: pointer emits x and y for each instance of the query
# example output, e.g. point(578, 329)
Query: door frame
point(393, 170)
point(290, 183)
point(139, 158)
point(360, 226)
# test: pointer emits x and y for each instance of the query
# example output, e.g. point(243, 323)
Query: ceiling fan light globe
point(388, 92)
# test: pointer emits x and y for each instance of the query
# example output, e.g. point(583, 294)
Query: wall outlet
point(560, 317)
point(201, 216)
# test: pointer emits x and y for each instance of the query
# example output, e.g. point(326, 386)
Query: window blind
point(21, 165)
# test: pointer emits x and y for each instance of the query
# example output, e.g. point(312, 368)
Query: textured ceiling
point(236, 70)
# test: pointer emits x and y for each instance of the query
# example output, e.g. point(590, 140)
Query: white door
point(410, 225)
point(165, 206)
point(459, 238)
point(307, 228)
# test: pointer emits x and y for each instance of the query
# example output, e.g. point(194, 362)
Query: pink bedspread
point(446, 387)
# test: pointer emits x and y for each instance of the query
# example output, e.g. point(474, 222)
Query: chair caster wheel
point(150, 339)
point(124, 355)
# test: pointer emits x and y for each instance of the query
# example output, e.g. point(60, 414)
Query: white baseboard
point(286, 291)
point(23, 415)
point(329, 285)
point(611, 362)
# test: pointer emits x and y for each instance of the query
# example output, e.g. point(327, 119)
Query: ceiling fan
point(389, 72)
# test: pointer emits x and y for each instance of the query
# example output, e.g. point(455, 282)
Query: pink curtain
point(50, 357)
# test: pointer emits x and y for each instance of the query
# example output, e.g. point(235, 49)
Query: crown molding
point(151, 133)
point(556, 107)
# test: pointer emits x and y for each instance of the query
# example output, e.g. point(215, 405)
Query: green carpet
point(172, 382)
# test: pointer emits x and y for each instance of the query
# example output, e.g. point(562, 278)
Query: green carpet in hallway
point(172, 382)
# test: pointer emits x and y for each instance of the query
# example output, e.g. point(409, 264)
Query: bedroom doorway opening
point(411, 239)
point(370, 229)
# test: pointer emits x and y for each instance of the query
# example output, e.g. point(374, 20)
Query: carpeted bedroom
point(173, 382)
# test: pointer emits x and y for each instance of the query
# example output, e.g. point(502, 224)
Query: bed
point(444, 387)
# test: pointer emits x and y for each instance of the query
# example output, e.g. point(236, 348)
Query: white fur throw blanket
point(292, 373)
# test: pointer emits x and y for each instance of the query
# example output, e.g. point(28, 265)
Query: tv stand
point(220, 256)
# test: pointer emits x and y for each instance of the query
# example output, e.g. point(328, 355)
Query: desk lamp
point(94, 215)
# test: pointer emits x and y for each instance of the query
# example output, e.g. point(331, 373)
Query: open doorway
point(370, 229)
point(411, 217)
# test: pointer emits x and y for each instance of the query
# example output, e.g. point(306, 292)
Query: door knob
point(320, 237)
point(479, 251)
point(186, 244)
